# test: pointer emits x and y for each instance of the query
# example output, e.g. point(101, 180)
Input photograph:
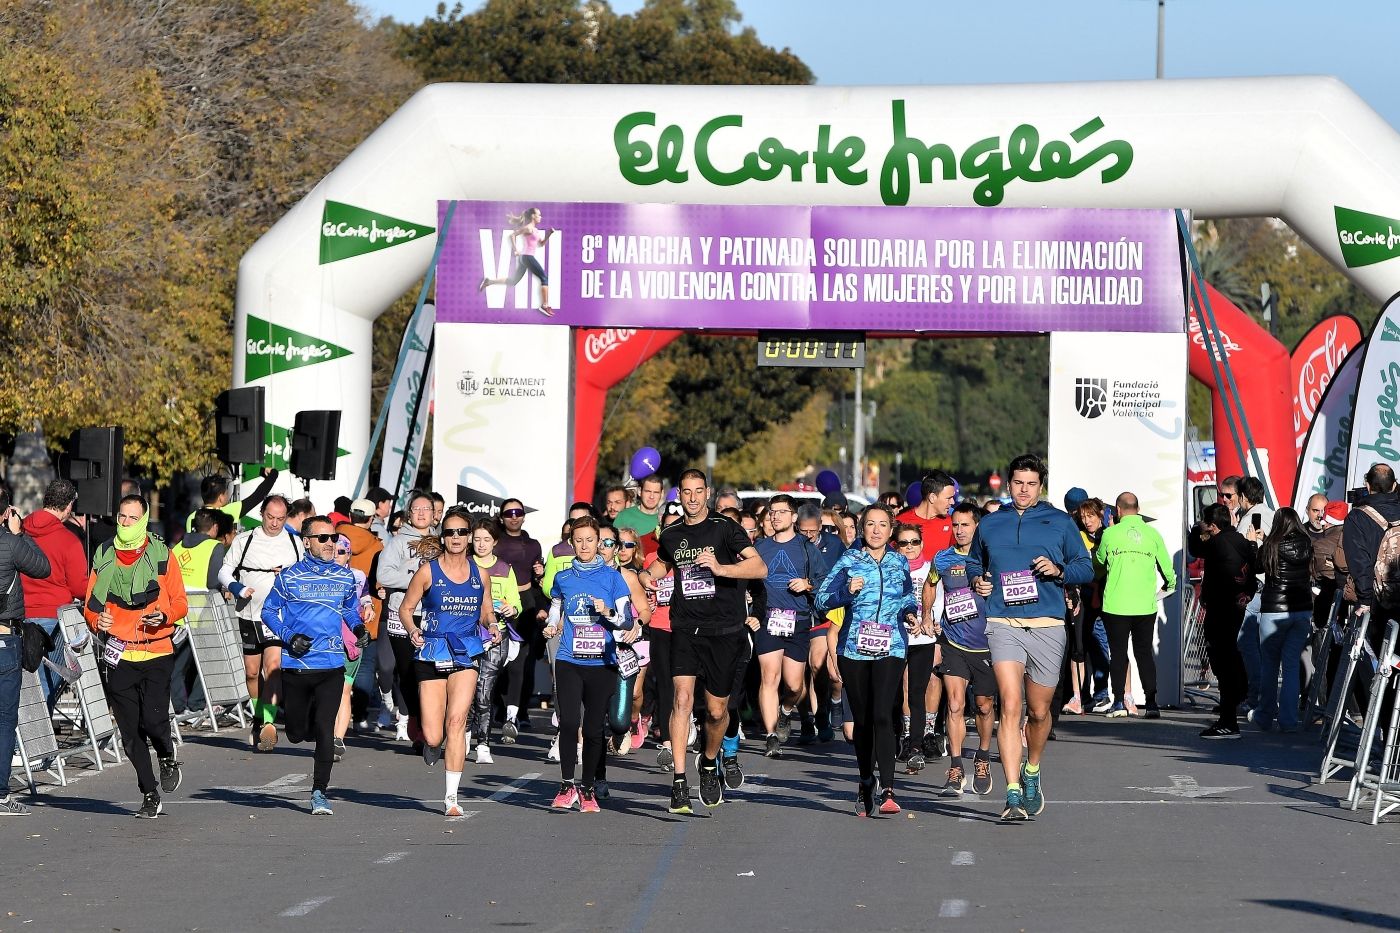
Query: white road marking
point(305, 907)
point(287, 784)
point(964, 858)
point(514, 786)
point(952, 907)
point(391, 858)
point(466, 815)
point(1184, 785)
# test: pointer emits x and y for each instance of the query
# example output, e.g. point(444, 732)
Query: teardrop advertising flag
point(1322, 468)
point(1315, 360)
point(1375, 431)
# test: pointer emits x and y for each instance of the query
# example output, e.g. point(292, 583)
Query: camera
point(1354, 496)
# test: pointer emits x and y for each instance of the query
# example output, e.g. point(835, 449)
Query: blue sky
point(941, 42)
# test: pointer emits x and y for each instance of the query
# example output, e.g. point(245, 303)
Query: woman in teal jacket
point(872, 583)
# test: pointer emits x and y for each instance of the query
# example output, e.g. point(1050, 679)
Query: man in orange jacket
point(135, 597)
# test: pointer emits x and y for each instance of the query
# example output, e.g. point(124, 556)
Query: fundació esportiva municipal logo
point(1090, 397)
point(468, 384)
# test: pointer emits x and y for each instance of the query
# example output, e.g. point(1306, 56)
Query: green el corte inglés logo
point(347, 230)
point(271, 348)
point(1366, 238)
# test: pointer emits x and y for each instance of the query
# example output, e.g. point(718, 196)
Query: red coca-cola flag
point(1315, 360)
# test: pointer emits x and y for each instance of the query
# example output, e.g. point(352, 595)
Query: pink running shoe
point(588, 801)
point(640, 728)
point(567, 797)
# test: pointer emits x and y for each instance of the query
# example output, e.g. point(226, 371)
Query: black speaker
point(314, 438)
point(92, 461)
point(239, 425)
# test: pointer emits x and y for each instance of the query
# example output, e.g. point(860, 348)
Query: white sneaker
point(553, 749)
point(450, 807)
point(691, 741)
point(402, 733)
point(483, 755)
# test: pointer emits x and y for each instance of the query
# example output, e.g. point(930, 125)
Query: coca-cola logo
point(1222, 341)
point(602, 342)
point(1317, 371)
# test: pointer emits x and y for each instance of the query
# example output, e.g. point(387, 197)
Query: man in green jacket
point(1130, 557)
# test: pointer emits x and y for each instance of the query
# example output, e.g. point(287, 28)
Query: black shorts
point(255, 639)
point(796, 647)
point(428, 670)
point(975, 667)
point(714, 659)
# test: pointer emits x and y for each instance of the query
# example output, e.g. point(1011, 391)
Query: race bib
point(665, 588)
point(112, 654)
point(590, 640)
point(446, 665)
point(697, 582)
point(782, 622)
point(960, 606)
point(874, 639)
point(1018, 588)
point(628, 664)
point(392, 622)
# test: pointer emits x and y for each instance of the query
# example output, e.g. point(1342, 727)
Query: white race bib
point(665, 588)
point(590, 639)
point(392, 622)
point(782, 622)
point(697, 582)
point(960, 606)
point(628, 664)
point(112, 654)
point(1018, 588)
point(874, 639)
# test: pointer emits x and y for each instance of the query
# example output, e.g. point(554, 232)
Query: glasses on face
point(780, 511)
point(513, 513)
point(1227, 495)
point(456, 532)
point(421, 509)
point(324, 538)
point(627, 545)
point(910, 542)
point(751, 531)
point(608, 543)
point(341, 553)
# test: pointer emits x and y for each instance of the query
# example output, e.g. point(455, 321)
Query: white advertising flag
point(1322, 468)
point(1375, 425)
point(408, 409)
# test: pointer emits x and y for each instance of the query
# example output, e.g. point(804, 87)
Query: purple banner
point(875, 269)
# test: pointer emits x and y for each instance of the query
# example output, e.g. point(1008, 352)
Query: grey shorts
point(1041, 650)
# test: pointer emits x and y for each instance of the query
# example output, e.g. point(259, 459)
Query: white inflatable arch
point(1305, 149)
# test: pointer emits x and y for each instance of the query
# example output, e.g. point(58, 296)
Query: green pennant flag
point(348, 231)
point(1366, 238)
point(277, 451)
point(271, 348)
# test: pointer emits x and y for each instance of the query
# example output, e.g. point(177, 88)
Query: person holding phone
point(135, 595)
point(1255, 523)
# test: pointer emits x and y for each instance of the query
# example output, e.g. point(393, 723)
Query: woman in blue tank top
point(456, 611)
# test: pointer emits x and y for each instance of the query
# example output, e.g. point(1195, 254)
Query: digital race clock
point(818, 348)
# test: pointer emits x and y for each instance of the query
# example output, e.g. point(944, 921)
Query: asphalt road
point(1147, 828)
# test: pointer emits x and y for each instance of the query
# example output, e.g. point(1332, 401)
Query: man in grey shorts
point(1021, 559)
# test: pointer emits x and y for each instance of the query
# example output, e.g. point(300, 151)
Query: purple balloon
point(828, 482)
point(672, 494)
point(645, 462)
point(914, 494)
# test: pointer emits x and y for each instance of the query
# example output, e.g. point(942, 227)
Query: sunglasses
point(340, 552)
point(513, 513)
point(627, 545)
point(910, 542)
point(608, 542)
point(828, 527)
point(334, 536)
point(456, 532)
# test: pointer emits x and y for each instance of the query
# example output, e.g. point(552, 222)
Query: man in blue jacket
point(311, 606)
point(1022, 558)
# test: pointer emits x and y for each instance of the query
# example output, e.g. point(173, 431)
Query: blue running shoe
point(320, 806)
point(1015, 807)
point(1031, 794)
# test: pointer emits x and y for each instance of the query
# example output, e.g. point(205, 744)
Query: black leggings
point(871, 688)
point(587, 687)
point(310, 700)
point(139, 694)
point(1141, 629)
point(920, 672)
point(661, 671)
point(488, 667)
point(1223, 623)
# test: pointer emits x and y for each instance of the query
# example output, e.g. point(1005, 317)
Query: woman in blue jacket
point(872, 582)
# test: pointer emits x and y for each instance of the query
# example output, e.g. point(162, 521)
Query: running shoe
point(1132, 707)
point(385, 720)
point(1015, 807)
point(450, 807)
point(1152, 711)
point(916, 762)
point(639, 732)
point(1219, 731)
point(1072, 708)
point(808, 735)
point(150, 807)
point(267, 737)
point(664, 759)
point(825, 734)
point(888, 805)
point(432, 754)
point(935, 745)
point(510, 732)
point(865, 798)
point(401, 730)
point(566, 798)
point(170, 776)
point(773, 746)
point(1102, 704)
point(784, 730)
point(906, 748)
point(690, 742)
point(1117, 711)
point(1031, 793)
point(338, 749)
point(553, 753)
point(733, 772)
point(624, 742)
point(320, 806)
point(12, 807)
point(711, 787)
point(601, 791)
point(588, 800)
point(957, 781)
point(483, 755)
point(982, 775)
point(680, 796)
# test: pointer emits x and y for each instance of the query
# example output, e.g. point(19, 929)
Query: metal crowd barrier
point(218, 656)
point(37, 746)
point(1318, 688)
point(84, 703)
point(1335, 714)
point(1197, 680)
point(1381, 784)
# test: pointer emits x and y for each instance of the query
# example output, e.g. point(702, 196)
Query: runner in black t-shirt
point(712, 556)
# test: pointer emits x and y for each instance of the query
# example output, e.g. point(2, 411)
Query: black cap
point(836, 500)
